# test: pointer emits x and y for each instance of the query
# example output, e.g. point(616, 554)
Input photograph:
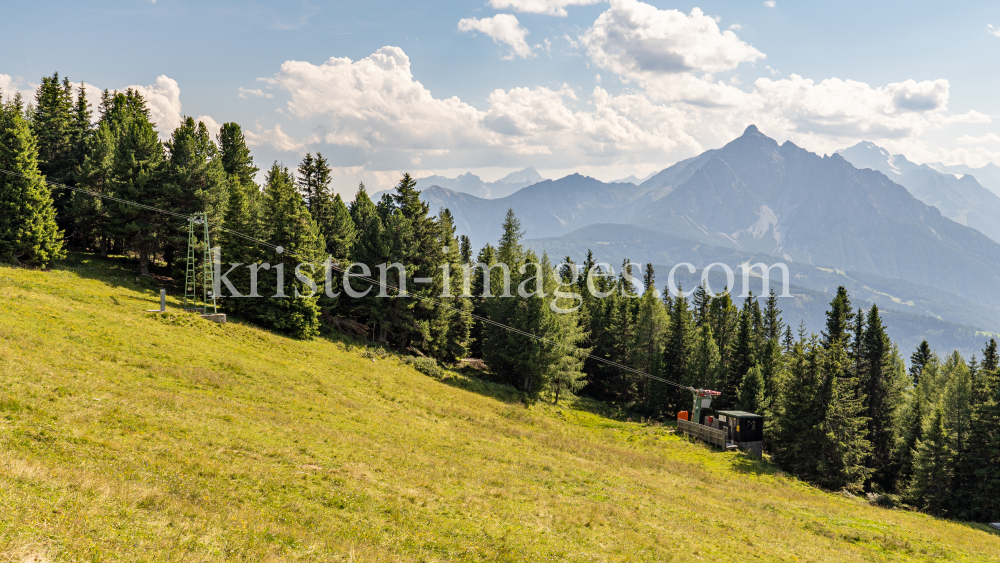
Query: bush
point(426, 366)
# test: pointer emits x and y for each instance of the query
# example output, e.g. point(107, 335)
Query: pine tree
point(930, 489)
point(193, 181)
point(877, 385)
point(773, 325)
point(137, 175)
point(465, 249)
point(912, 415)
point(677, 352)
point(452, 325)
point(286, 304)
point(649, 279)
point(91, 215)
point(82, 127)
point(700, 302)
point(52, 122)
point(983, 489)
point(28, 230)
point(838, 319)
point(651, 325)
point(957, 403)
point(745, 353)
point(236, 158)
point(751, 396)
point(788, 342)
point(918, 360)
point(499, 346)
point(846, 447)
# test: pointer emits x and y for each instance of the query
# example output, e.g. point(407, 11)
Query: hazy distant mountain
point(961, 199)
point(546, 209)
point(758, 197)
point(633, 179)
point(988, 176)
point(912, 312)
point(469, 183)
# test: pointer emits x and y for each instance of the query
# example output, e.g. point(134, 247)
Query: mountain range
point(471, 184)
point(959, 197)
point(833, 221)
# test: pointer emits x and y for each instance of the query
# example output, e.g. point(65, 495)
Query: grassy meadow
point(133, 436)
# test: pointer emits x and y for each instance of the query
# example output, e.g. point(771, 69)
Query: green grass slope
point(131, 436)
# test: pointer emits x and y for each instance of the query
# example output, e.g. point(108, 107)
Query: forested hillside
point(845, 411)
point(131, 436)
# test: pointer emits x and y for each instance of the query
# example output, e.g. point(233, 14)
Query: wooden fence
point(702, 432)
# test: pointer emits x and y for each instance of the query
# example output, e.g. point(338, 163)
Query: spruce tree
point(881, 401)
point(465, 246)
point(91, 215)
point(194, 181)
point(137, 175)
point(235, 154)
point(918, 360)
point(957, 403)
point(751, 396)
point(983, 489)
point(52, 122)
point(677, 352)
point(773, 325)
point(745, 352)
point(930, 489)
point(285, 303)
point(28, 230)
point(499, 345)
point(838, 319)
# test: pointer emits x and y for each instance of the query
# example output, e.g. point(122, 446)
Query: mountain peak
point(751, 130)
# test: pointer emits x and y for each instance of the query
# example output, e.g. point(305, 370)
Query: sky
point(607, 89)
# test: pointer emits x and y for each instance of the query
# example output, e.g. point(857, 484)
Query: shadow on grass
point(119, 271)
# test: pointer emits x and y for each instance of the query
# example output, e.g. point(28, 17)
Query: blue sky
point(496, 85)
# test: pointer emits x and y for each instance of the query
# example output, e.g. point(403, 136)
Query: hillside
point(132, 436)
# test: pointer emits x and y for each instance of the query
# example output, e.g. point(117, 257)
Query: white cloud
point(212, 125)
point(736, 27)
point(980, 140)
point(10, 85)
point(846, 109)
point(275, 138)
point(163, 98)
point(994, 31)
point(547, 7)
point(770, 3)
point(375, 105)
point(503, 29)
point(254, 92)
point(640, 42)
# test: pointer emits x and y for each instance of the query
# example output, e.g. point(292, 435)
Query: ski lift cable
point(363, 278)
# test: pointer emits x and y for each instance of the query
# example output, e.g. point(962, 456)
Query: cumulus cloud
point(848, 108)
point(994, 31)
point(212, 125)
point(163, 97)
point(10, 85)
point(770, 3)
point(640, 42)
point(547, 7)
point(375, 104)
point(503, 29)
point(275, 138)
